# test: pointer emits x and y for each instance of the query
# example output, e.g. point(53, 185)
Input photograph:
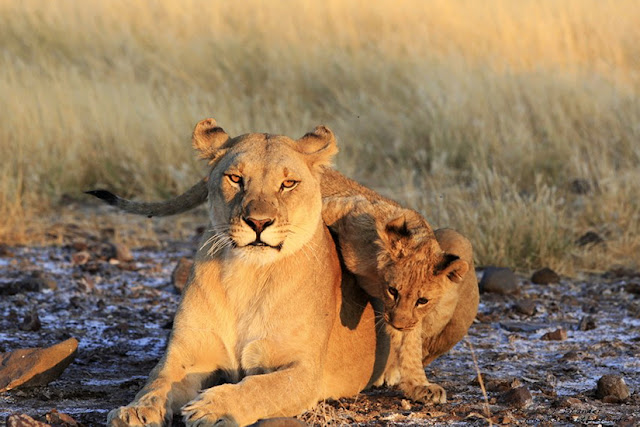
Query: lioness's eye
point(288, 184)
point(421, 301)
point(236, 179)
point(393, 292)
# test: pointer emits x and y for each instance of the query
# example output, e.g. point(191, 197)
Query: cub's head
point(264, 190)
point(421, 279)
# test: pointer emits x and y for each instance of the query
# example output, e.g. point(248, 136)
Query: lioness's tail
point(191, 198)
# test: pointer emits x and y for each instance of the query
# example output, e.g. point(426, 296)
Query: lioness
point(264, 308)
point(397, 258)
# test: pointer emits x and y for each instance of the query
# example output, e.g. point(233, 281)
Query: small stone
point(31, 321)
point(559, 334)
point(122, 253)
point(499, 280)
point(587, 323)
point(526, 307)
point(181, 273)
point(35, 366)
point(24, 420)
point(545, 276)
point(589, 238)
point(80, 258)
point(613, 388)
point(633, 288)
point(519, 397)
point(568, 402)
point(59, 419)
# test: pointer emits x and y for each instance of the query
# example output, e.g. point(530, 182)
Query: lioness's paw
point(431, 393)
point(136, 416)
point(201, 412)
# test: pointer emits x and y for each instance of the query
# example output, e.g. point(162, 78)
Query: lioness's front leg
point(175, 380)
point(280, 393)
point(413, 379)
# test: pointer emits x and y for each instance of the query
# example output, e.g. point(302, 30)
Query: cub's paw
point(430, 393)
point(201, 411)
point(137, 415)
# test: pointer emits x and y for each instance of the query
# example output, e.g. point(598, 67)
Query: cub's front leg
point(413, 379)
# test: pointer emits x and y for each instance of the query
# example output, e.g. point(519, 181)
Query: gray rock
point(31, 321)
point(559, 334)
point(612, 388)
point(499, 280)
point(587, 323)
point(526, 307)
point(35, 366)
point(545, 276)
point(519, 397)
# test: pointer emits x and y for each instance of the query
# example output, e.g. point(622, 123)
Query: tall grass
point(479, 114)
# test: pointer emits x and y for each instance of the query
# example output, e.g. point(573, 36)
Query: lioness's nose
point(258, 225)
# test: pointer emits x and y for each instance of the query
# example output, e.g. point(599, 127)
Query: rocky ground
point(540, 348)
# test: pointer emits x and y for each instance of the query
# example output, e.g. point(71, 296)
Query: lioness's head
point(420, 278)
point(264, 190)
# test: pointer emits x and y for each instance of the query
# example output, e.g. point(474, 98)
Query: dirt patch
point(121, 313)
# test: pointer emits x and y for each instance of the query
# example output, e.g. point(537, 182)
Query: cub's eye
point(236, 179)
point(393, 292)
point(421, 301)
point(288, 184)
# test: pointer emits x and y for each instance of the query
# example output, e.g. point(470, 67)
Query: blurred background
point(515, 122)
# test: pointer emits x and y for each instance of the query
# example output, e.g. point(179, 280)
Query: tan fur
point(387, 246)
point(264, 309)
point(358, 217)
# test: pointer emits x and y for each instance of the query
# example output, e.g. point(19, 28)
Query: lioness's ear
point(394, 235)
point(209, 138)
point(320, 146)
point(453, 267)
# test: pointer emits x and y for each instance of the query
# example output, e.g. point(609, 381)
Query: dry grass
point(479, 114)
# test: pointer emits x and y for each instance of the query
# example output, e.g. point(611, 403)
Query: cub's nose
point(258, 225)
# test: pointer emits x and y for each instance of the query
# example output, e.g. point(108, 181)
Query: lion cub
point(397, 258)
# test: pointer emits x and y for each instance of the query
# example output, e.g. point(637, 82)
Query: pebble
point(519, 397)
point(526, 307)
point(499, 280)
point(633, 288)
point(24, 420)
point(545, 276)
point(35, 366)
point(180, 273)
point(612, 389)
point(587, 323)
point(31, 321)
point(559, 334)
point(59, 419)
point(80, 258)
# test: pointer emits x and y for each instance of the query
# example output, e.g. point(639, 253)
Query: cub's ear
point(319, 146)
point(453, 267)
point(395, 236)
point(209, 138)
